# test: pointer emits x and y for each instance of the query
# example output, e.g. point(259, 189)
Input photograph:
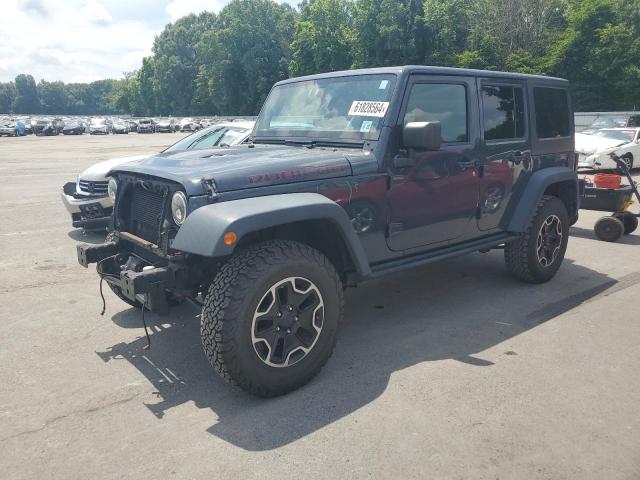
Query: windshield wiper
point(310, 143)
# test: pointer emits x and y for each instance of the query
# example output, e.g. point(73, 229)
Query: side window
point(440, 102)
point(552, 112)
point(503, 112)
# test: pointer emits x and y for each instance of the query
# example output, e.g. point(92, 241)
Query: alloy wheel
point(549, 240)
point(287, 322)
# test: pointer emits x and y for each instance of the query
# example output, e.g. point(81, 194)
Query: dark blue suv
point(348, 176)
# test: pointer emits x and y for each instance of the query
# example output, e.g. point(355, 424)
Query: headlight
point(112, 188)
point(179, 207)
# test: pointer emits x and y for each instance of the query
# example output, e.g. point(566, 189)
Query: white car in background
point(594, 150)
point(87, 199)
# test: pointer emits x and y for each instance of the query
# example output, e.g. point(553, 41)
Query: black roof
point(409, 69)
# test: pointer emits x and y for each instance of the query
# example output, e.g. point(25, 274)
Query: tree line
point(226, 63)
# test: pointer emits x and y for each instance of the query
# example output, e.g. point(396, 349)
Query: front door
point(433, 196)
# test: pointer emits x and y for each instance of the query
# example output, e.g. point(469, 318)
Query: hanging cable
point(144, 323)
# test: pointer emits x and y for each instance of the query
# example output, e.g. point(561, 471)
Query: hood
point(98, 172)
point(242, 167)
point(588, 144)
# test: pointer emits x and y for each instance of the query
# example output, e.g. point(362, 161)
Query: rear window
point(552, 112)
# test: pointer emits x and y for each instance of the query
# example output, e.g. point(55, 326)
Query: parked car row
point(45, 126)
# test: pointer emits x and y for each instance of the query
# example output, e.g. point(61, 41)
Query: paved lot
point(450, 371)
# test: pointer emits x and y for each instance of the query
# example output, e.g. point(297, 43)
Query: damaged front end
point(137, 260)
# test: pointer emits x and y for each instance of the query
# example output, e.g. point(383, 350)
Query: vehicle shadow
point(452, 310)
point(87, 236)
point(589, 234)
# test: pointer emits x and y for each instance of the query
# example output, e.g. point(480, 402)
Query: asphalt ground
point(451, 371)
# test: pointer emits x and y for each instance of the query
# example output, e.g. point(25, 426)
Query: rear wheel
point(609, 229)
point(629, 220)
point(537, 255)
point(271, 315)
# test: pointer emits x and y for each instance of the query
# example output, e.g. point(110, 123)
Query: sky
point(85, 40)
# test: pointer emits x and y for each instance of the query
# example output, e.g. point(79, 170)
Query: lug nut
point(295, 318)
point(290, 308)
point(277, 329)
point(288, 330)
point(279, 314)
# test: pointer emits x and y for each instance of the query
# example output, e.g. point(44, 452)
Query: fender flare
point(537, 183)
point(203, 230)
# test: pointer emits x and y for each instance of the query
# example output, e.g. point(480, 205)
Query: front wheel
point(628, 161)
point(537, 255)
point(270, 318)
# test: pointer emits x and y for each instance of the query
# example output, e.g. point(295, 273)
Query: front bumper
point(88, 212)
point(145, 283)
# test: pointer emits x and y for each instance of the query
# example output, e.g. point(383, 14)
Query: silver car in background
point(87, 199)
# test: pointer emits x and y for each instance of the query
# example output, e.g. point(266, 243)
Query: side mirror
point(422, 135)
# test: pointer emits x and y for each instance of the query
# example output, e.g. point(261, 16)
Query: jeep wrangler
point(348, 176)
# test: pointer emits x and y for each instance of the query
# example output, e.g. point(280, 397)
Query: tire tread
point(226, 296)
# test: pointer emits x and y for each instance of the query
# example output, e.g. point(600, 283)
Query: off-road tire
point(521, 256)
point(629, 220)
point(233, 298)
point(609, 229)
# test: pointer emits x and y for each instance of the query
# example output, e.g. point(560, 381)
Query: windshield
point(97, 122)
point(624, 135)
point(610, 122)
point(215, 137)
point(351, 108)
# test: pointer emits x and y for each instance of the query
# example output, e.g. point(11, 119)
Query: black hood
point(245, 166)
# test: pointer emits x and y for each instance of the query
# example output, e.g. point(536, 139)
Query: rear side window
point(440, 102)
point(552, 112)
point(503, 112)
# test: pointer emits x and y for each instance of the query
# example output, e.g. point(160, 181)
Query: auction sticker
point(364, 108)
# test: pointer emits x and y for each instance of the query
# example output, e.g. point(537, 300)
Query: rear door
point(506, 149)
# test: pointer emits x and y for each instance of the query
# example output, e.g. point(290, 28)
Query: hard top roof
point(427, 70)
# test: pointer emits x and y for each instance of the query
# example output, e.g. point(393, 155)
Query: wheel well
point(567, 192)
point(323, 235)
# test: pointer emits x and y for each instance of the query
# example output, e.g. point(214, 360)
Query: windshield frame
point(302, 136)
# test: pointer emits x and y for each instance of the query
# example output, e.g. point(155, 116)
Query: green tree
point(53, 97)
point(388, 32)
point(175, 62)
point(246, 54)
point(600, 53)
point(323, 38)
point(26, 100)
point(7, 97)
